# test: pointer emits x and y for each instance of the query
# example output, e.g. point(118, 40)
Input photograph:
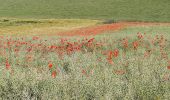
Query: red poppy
point(69, 44)
point(140, 36)
point(7, 65)
point(110, 54)
point(50, 65)
point(125, 43)
point(168, 67)
point(84, 72)
point(54, 74)
point(116, 53)
point(52, 47)
point(135, 45)
point(35, 38)
point(110, 61)
point(91, 40)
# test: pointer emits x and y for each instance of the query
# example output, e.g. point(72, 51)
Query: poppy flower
point(50, 65)
point(7, 65)
point(84, 72)
point(110, 53)
point(125, 43)
point(110, 61)
point(140, 36)
point(91, 40)
point(35, 38)
point(54, 74)
point(168, 67)
point(135, 45)
point(116, 53)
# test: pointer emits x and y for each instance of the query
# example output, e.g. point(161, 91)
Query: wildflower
point(7, 65)
point(110, 54)
point(35, 38)
point(140, 36)
point(84, 72)
point(168, 67)
point(29, 49)
point(16, 50)
point(91, 40)
point(8, 43)
point(110, 61)
point(125, 43)
point(50, 65)
point(116, 53)
point(54, 74)
point(62, 41)
point(69, 44)
point(135, 45)
point(52, 46)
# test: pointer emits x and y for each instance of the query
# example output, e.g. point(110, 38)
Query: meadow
point(118, 10)
point(84, 50)
point(120, 65)
point(17, 26)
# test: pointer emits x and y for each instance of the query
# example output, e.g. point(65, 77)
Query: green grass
point(42, 26)
point(31, 79)
point(123, 10)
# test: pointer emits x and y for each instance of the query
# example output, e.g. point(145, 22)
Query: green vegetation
point(42, 26)
point(26, 71)
point(118, 10)
point(119, 65)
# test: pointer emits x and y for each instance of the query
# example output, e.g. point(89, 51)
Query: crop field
point(84, 50)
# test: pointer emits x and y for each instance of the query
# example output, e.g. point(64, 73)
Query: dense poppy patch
point(38, 49)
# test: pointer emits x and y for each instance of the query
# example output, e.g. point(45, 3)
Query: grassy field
point(13, 26)
point(120, 65)
point(123, 10)
point(117, 62)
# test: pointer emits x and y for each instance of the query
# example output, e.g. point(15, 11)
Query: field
point(84, 50)
point(125, 64)
point(17, 26)
point(118, 10)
